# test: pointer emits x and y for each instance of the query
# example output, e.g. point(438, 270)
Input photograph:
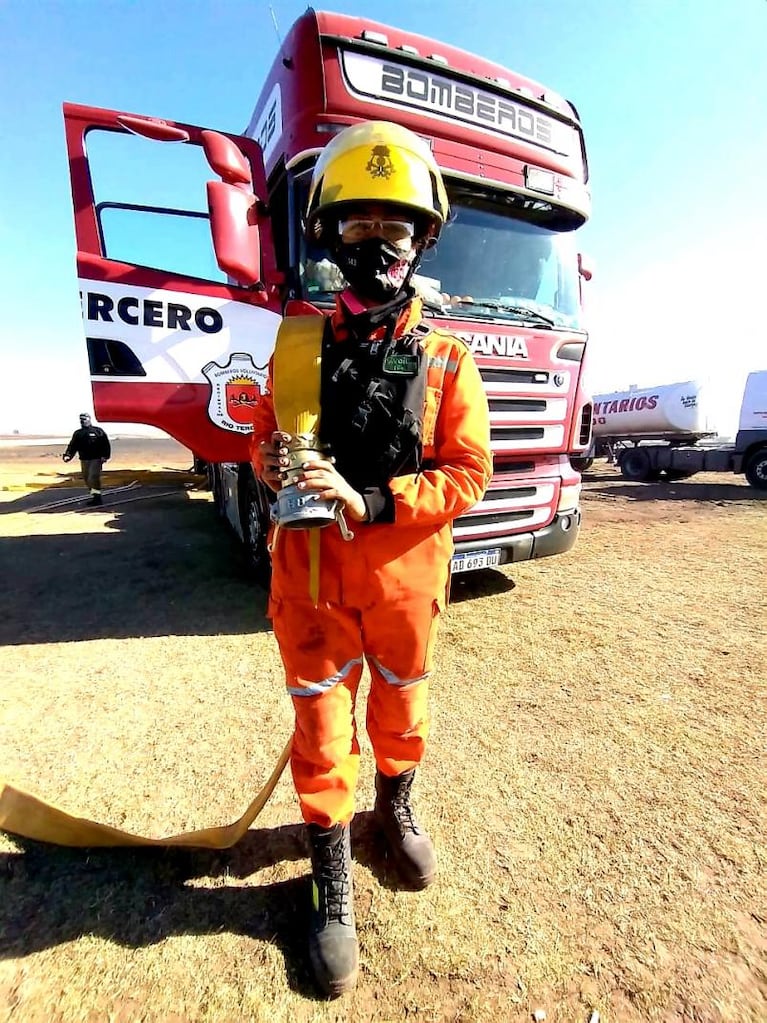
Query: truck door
point(177, 275)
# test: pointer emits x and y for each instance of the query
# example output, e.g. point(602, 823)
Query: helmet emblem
point(380, 163)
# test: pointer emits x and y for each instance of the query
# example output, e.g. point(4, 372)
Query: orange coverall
point(380, 594)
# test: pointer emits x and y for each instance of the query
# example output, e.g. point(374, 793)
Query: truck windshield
point(496, 259)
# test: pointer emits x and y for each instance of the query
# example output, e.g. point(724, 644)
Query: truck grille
point(508, 507)
point(528, 413)
point(528, 409)
point(527, 377)
point(584, 434)
point(516, 404)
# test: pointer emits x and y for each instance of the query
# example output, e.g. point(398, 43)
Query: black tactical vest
point(372, 402)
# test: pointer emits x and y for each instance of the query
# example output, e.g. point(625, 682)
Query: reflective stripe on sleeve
point(442, 362)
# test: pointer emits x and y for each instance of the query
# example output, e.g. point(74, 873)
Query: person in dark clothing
point(92, 445)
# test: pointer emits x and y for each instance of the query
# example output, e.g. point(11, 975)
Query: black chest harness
point(372, 401)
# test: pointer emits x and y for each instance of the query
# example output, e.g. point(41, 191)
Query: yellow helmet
point(382, 162)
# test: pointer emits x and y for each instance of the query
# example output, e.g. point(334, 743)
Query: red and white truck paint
point(187, 354)
point(669, 432)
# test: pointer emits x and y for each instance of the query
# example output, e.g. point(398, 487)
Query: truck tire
point(217, 489)
point(756, 469)
point(635, 465)
point(254, 516)
point(581, 463)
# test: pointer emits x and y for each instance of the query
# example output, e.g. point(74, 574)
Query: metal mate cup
point(299, 509)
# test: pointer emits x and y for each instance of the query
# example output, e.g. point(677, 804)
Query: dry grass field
point(595, 784)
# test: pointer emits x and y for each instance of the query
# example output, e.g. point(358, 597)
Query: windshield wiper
point(522, 311)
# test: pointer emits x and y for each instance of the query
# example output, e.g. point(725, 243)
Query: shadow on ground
point(164, 568)
point(68, 492)
point(484, 583)
point(689, 490)
point(138, 897)
point(606, 480)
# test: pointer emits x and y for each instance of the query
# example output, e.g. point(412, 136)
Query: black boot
point(333, 947)
point(410, 846)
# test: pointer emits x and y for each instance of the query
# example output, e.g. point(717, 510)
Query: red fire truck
point(179, 337)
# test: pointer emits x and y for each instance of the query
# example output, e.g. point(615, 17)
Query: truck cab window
point(279, 216)
point(151, 204)
point(488, 251)
point(319, 276)
point(495, 256)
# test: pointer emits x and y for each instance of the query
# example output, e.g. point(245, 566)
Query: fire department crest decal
point(380, 164)
point(235, 390)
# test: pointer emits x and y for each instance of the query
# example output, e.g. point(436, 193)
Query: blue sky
point(672, 95)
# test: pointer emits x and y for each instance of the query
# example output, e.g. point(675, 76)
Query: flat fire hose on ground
point(84, 497)
point(296, 385)
point(29, 817)
point(130, 500)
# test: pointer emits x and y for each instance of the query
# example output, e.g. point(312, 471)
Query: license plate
point(473, 560)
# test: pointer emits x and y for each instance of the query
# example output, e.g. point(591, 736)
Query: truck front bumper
point(556, 538)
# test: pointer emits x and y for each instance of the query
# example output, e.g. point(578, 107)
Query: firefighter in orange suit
point(405, 417)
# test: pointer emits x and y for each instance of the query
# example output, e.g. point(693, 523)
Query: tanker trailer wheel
point(756, 469)
point(635, 465)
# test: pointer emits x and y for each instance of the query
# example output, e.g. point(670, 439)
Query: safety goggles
point(357, 229)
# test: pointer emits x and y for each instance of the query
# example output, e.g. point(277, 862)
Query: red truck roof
point(483, 120)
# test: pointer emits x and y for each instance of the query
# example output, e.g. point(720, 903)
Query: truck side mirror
point(226, 159)
point(235, 231)
point(585, 267)
point(234, 210)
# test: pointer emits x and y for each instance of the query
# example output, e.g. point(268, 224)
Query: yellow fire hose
point(296, 373)
point(24, 814)
point(296, 382)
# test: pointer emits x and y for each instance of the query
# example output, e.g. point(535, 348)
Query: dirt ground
point(595, 782)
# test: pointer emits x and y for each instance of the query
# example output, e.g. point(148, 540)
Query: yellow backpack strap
point(296, 374)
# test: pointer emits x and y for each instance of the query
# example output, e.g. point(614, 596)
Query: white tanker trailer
point(675, 412)
point(653, 433)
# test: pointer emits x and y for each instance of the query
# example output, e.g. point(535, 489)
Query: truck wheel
point(255, 524)
point(756, 469)
point(635, 465)
point(217, 488)
point(581, 464)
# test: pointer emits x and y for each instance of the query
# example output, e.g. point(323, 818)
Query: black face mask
point(375, 269)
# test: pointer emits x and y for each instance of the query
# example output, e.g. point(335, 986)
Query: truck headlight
point(569, 497)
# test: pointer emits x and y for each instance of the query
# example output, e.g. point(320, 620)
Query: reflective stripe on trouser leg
point(321, 649)
point(399, 647)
